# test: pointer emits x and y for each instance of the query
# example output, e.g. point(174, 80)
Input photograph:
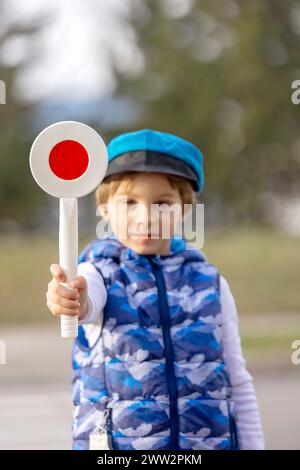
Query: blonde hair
point(110, 184)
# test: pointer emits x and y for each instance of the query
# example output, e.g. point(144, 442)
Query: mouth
point(145, 236)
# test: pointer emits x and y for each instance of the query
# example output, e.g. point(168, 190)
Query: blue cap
point(148, 150)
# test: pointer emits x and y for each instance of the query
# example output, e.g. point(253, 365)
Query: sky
point(73, 50)
point(71, 55)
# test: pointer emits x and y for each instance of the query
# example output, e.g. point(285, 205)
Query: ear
point(102, 208)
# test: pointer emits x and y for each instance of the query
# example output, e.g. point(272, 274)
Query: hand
point(62, 300)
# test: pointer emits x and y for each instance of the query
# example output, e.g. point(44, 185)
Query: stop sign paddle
point(68, 160)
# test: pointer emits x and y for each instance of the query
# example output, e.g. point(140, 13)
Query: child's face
point(135, 220)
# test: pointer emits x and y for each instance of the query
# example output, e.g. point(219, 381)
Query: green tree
point(220, 75)
point(17, 195)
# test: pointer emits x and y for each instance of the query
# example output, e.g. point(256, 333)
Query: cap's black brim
point(151, 161)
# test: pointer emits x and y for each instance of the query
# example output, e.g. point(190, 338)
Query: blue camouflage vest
point(155, 378)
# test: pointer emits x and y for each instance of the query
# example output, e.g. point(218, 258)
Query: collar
point(109, 246)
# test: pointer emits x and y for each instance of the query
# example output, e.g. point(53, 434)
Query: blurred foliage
point(220, 75)
point(216, 72)
point(18, 197)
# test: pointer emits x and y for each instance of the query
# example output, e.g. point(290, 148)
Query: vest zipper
point(109, 429)
point(169, 353)
point(233, 430)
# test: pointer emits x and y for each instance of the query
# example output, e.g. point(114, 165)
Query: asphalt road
point(35, 393)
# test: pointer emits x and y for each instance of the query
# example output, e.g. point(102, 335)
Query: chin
point(150, 247)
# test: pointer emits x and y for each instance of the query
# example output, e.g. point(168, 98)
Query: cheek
point(170, 219)
point(115, 217)
point(178, 218)
point(120, 220)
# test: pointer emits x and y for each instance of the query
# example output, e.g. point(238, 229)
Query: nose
point(142, 216)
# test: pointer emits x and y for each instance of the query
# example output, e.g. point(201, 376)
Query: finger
point(62, 291)
point(56, 299)
point(58, 272)
point(79, 283)
point(57, 310)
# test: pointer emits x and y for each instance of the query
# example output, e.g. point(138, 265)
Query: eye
point(163, 202)
point(130, 201)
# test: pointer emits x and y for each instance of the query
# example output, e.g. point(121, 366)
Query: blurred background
point(218, 73)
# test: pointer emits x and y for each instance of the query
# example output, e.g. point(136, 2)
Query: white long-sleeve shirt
point(251, 435)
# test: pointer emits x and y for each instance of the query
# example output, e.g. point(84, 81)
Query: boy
point(158, 361)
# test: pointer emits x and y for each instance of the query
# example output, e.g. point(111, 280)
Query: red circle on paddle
point(68, 159)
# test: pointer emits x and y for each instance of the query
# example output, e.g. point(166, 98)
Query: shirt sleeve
point(249, 425)
point(97, 295)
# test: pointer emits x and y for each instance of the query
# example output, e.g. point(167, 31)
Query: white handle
point(68, 255)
